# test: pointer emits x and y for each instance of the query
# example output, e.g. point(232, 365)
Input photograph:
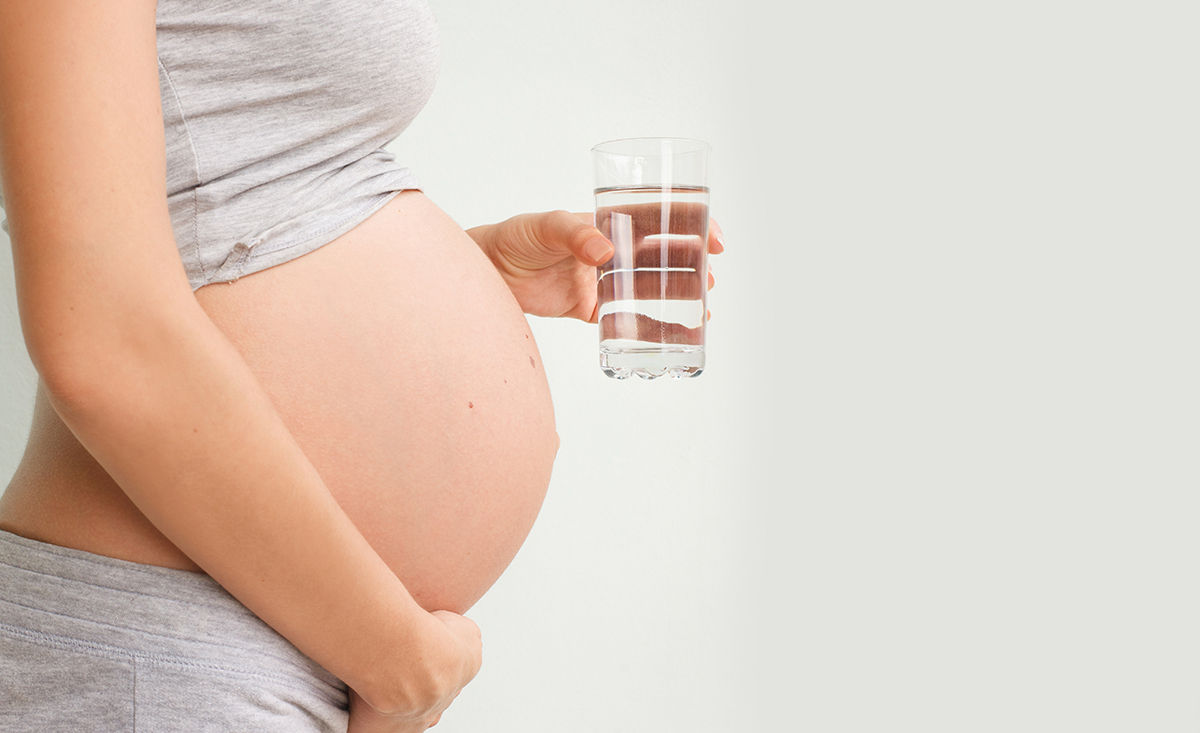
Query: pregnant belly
point(407, 372)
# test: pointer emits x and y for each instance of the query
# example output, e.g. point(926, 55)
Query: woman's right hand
point(454, 649)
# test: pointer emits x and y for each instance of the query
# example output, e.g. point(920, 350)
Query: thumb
point(560, 229)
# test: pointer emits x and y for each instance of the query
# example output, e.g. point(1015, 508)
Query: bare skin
point(410, 313)
point(357, 366)
point(400, 360)
point(404, 368)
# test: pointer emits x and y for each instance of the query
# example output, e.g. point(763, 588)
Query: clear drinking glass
point(652, 203)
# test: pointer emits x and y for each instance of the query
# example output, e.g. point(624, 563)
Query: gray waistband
point(62, 595)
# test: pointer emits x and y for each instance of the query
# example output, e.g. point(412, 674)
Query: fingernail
point(719, 234)
point(597, 249)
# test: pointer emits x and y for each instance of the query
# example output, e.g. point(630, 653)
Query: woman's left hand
point(549, 260)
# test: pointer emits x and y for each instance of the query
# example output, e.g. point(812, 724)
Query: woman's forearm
point(180, 422)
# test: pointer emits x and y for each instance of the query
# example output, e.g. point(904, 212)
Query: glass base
point(652, 362)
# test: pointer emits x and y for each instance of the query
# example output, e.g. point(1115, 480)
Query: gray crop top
point(276, 113)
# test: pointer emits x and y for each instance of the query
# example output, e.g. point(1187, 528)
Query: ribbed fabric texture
point(275, 114)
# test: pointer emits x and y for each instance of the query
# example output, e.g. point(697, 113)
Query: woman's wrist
point(408, 663)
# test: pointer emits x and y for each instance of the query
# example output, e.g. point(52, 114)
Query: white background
point(941, 472)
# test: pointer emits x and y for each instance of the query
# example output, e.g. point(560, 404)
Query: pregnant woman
point(290, 419)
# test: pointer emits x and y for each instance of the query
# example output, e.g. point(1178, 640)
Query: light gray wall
point(941, 472)
point(18, 378)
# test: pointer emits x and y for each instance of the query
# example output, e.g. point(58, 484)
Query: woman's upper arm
point(83, 169)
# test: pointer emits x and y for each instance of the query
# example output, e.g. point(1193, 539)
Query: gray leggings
point(93, 643)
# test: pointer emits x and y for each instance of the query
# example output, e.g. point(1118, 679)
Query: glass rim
point(695, 145)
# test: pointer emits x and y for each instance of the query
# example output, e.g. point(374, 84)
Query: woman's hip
point(98, 643)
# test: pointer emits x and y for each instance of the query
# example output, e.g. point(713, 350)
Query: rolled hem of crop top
point(269, 253)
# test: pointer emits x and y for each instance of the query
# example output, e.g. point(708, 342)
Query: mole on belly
point(470, 404)
point(531, 363)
